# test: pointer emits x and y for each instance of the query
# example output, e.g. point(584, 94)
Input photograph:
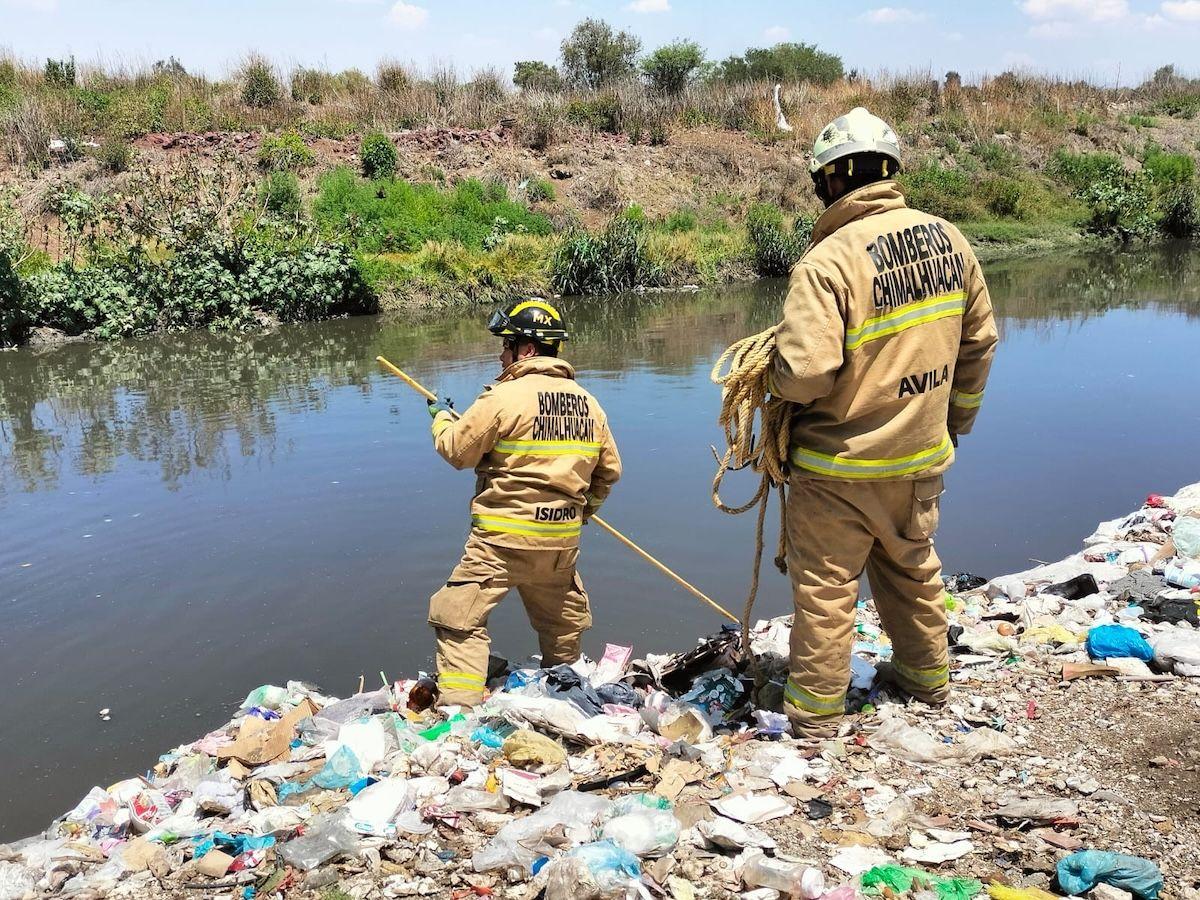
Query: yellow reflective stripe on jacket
point(813, 703)
point(965, 399)
point(846, 467)
point(942, 306)
point(549, 448)
point(931, 678)
point(441, 422)
point(506, 525)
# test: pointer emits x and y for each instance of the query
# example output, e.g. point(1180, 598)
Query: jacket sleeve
point(975, 351)
point(605, 475)
point(810, 341)
point(463, 443)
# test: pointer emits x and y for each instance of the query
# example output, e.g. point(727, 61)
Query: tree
point(783, 62)
point(595, 55)
point(671, 67)
point(535, 75)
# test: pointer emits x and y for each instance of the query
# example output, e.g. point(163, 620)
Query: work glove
point(439, 406)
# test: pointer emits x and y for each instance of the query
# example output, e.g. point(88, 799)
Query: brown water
point(185, 517)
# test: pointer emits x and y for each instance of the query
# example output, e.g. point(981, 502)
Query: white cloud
point(1013, 59)
point(892, 15)
point(1092, 10)
point(1182, 10)
point(649, 6)
point(407, 16)
point(1054, 30)
point(777, 33)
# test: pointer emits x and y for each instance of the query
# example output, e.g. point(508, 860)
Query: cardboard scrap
point(1071, 671)
point(214, 863)
point(260, 742)
point(675, 775)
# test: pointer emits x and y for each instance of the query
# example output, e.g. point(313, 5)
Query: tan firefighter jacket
point(541, 450)
point(886, 340)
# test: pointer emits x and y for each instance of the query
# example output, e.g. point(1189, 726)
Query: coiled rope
point(742, 372)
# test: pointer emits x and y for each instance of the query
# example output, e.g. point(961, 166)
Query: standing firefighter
point(545, 461)
point(885, 345)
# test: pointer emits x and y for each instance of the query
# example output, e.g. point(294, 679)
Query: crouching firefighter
point(885, 345)
point(545, 460)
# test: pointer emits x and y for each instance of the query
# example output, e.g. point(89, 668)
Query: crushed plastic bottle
point(644, 832)
point(325, 838)
point(792, 879)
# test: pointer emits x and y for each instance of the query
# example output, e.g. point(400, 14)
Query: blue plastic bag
point(1105, 641)
point(611, 866)
point(341, 770)
point(1082, 871)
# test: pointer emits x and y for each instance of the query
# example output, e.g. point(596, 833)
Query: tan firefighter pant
point(836, 530)
point(554, 599)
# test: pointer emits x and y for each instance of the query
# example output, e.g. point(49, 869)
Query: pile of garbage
point(670, 776)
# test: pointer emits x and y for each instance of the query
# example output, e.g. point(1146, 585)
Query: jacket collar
point(868, 200)
point(538, 365)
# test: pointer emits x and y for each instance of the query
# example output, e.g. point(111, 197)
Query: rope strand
point(746, 400)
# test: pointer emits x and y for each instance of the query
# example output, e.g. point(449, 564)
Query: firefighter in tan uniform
point(545, 461)
point(885, 345)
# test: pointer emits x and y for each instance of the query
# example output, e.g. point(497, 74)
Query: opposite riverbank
point(352, 194)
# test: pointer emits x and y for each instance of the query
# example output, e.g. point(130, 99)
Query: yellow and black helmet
point(536, 320)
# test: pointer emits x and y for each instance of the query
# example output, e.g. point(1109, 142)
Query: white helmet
point(856, 132)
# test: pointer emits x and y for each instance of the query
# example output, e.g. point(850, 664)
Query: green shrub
point(680, 220)
point(1178, 104)
point(216, 284)
point(311, 86)
point(594, 55)
point(1139, 121)
point(114, 154)
point(1001, 196)
point(398, 216)
point(534, 75)
point(601, 114)
point(774, 249)
point(539, 190)
point(284, 152)
point(280, 193)
point(1120, 205)
point(60, 72)
point(1081, 170)
point(783, 62)
point(997, 157)
point(13, 321)
point(393, 78)
point(1168, 169)
point(1179, 211)
point(613, 260)
point(378, 156)
point(940, 191)
point(670, 68)
point(260, 87)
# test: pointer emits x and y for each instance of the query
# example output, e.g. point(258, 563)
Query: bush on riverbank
point(390, 216)
point(612, 260)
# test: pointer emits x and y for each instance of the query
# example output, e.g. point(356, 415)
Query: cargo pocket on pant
point(926, 503)
point(458, 606)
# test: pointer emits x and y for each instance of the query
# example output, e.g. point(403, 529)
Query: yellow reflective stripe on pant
point(814, 703)
point(463, 681)
point(942, 306)
point(505, 525)
point(848, 467)
point(549, 448)
point(965, 399)
point(934, 677)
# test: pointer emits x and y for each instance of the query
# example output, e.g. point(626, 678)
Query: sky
point(1106, 41)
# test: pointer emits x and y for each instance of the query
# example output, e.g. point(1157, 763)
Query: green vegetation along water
point(187, 516)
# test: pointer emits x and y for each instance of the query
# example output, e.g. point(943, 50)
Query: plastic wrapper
point(1082, 871)
point(327, 837)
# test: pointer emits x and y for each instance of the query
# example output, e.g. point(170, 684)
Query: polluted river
point(188, 516)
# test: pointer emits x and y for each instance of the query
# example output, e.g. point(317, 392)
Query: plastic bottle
point(793, 879)
point(1185, 574)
